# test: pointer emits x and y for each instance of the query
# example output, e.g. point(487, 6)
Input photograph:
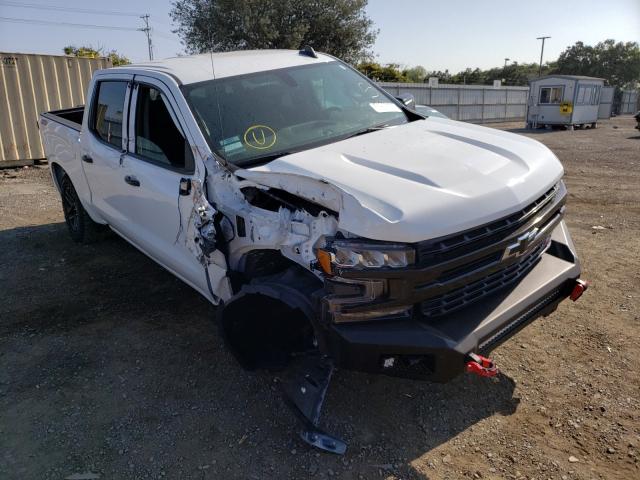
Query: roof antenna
point(308, 51)
point(215, 87)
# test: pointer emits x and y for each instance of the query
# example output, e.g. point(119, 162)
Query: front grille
point(453, 272)
point(445, 248)
point(463, 296)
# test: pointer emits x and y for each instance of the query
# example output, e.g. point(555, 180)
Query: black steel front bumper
point(436, 349)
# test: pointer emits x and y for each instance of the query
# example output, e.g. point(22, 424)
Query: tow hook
point(481, 366)
point(579, 288)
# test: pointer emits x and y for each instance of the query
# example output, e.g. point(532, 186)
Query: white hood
point(425, 179)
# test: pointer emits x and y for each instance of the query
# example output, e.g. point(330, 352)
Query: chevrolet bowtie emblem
point(521, 244)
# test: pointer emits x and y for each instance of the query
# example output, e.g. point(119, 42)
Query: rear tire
point(81, 228)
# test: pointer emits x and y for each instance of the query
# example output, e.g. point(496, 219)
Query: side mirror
point(408, 100)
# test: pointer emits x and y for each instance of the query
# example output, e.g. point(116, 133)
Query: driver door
point(159, 157)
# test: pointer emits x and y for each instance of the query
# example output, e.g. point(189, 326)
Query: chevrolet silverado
point(334, 225)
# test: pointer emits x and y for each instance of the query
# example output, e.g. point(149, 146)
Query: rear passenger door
point(103, 143)
point(158, 157)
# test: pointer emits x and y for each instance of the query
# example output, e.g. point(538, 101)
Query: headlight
point(363, 255)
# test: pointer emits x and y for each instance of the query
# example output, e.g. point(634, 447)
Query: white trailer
point(569, 100)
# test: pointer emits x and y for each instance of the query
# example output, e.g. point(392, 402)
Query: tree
point(470, 77)
point(416, 74)
point(90, 52)
point(382, 73)
point(338, 27)
point(618, 63)
point(443, 77)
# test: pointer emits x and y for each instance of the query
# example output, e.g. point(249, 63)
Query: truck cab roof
point(198, 68)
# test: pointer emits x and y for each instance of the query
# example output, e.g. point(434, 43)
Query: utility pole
point(146, 29)
point(504, 80)
point(541, 53)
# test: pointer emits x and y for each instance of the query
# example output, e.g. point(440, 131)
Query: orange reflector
point(324, 259)
point(578, 290)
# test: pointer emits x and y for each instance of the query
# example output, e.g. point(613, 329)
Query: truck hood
point(421, 180)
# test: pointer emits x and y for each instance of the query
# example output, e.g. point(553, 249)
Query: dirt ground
point(111, 368)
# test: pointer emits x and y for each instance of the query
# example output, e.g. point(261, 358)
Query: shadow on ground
point(112, 365)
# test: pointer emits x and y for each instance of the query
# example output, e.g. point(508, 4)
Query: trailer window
point(158, 139)
point(550, 95)
point(106, 121)
point(588, 95)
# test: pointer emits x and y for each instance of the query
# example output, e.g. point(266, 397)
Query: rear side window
point(107, 112)
point(157, 136)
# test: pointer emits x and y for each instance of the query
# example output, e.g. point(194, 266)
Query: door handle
point(87, 158)
point(132, 180)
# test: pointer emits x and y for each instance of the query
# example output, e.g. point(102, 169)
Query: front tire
point(81, 228)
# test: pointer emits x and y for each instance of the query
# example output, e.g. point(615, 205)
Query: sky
point(440, 35)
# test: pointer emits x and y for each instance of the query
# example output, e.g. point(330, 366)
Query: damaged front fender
point(202, 240)
point(291, 230)
point(359, 213)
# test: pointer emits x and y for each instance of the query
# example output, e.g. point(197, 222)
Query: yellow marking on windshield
point(260, 137)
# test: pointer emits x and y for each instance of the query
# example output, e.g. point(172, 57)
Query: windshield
point(254, 118)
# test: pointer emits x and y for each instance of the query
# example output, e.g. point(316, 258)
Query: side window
point(107, 112)
point(550, 95)
point(544, 95)
point(588, 95)
point(588, 92)
point(157, 136)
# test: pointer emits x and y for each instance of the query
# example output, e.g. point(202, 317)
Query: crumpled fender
point(359, 212)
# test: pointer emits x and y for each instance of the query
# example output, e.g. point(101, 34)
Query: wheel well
point(58, 173)
point(271, 319)
point(263, 262)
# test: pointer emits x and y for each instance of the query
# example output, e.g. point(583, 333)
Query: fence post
point(506, 100)
point(458, 110)
point(483, 104)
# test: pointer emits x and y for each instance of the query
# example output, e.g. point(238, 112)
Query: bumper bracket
point(304, 391)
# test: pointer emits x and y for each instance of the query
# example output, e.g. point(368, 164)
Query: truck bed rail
point(70, 117)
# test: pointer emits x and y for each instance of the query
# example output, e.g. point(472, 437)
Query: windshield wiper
point(265, 158)
point(368, 130)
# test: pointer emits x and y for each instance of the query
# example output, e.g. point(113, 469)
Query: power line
point(164, 34)
point(67, 9)
point(65, 24)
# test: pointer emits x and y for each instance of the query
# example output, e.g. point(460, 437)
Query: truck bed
point(60, 131)
point(70, 117)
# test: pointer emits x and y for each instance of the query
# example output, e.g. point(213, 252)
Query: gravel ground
point(111, 368)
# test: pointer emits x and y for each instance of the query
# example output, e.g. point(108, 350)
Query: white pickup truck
point(334, 225)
